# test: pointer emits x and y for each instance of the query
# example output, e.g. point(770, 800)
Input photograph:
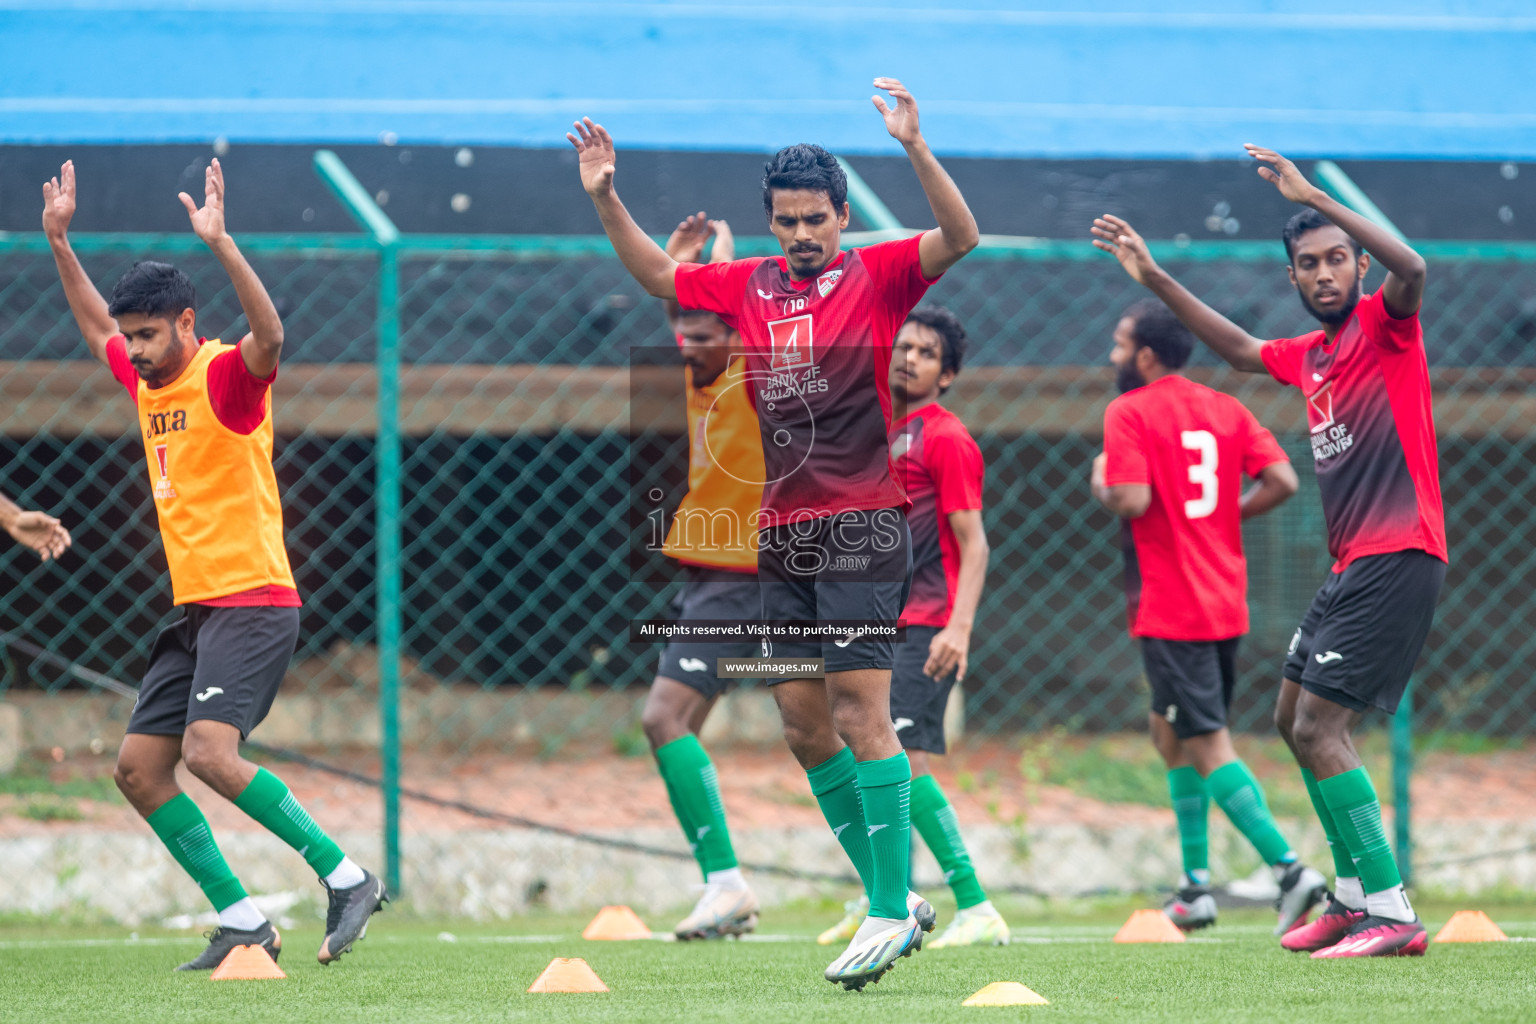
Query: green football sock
point(689, 826)
point(1343, 863)
point(268, 800)
point(885, 789)
point(695, 790)
point(1191, 809)
point(1239, 795)
point(185, 832)
point(1357, 814)
point(935, 821)
point(836, 791)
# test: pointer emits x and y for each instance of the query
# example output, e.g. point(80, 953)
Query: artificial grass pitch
point(406, 970)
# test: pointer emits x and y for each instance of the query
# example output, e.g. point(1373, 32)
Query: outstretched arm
point(639, 253)
point(85, 302)
point(1239, 348)
point(264, 344)
point(37, 530)
point(1277, 482)
point(956, 234)
point(1403, 289)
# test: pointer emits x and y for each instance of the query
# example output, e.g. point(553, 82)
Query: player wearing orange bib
point(714, 537)
point(205, 414)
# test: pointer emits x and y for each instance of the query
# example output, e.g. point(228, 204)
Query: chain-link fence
point(513, 582)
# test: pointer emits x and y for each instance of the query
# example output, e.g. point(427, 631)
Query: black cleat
point(346, 920)
point(221, 940)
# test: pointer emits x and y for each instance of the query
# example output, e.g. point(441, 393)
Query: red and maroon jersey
point(1373, 432)
point(940, 465)
point(818, 369)
point(1186, 578)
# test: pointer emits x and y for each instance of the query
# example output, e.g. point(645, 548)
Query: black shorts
point(1357, 644)
point(215, 665)
point(711, 594)
point(853, 566)
point(918, 700)
point(1191, 682)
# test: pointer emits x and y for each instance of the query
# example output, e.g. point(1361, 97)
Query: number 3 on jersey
point(1202, 473)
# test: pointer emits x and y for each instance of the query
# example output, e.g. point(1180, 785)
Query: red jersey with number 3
point(1373, 432)
point(818, 370)
point(1186, 577)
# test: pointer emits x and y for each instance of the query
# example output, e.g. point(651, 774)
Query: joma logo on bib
point(162, 423)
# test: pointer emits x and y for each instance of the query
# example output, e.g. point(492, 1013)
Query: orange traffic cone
point(1471, 926)
point(247, 963)
point(1149, 926)
point(568, 975)
point(616, 923)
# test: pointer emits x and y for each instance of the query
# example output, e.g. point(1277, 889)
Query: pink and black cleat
point(1330, 928)
point(1379, 936)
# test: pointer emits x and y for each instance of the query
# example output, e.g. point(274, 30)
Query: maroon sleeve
point(122, 369)
point(1261, 448)
point(1386, 330)
point(896, 268)
point(954, 461)
point(719, 288)
point(1125, 461)
point(1282, 358)
point(238, 396)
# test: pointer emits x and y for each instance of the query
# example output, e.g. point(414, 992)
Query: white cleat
point(879, 943)
point(719, 913)
point(974, 926)
point(848, 927)
point(1301, 889)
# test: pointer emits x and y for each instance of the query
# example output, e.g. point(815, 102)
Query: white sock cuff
point(346, 875)
point(242, 915)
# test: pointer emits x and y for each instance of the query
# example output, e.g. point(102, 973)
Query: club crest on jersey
point(163, 488)
point(827, 281)
point(791, 341)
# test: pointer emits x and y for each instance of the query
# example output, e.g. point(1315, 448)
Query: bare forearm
point(260, 313)
point(85, 302)
point(1277, 483)
point(646, 261)
point(1396, 256)
point(1128, 501)
point(1233, 344)
point(9, 511)
point(956, 234)
point(973, 574)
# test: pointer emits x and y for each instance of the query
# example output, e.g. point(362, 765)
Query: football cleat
point(1301, 889)
point(848, 927)
point(1379, 936)
point(346, 919)
point(867, 958)
point(974, 926)
point(1191, 908)
point(221, 940)
point(1328, 929)
point(720, 912)
point(921, 910)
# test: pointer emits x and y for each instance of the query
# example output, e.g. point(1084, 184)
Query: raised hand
point(209, 221)
point(1115, 235)
point(59, 201)
point(900, 120)
point(686, 244)
point(1284, 175)
point(725, 243)
point(42, 533)
point(594, 146)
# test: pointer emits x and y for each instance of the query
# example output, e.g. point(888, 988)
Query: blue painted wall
point(1176, 78)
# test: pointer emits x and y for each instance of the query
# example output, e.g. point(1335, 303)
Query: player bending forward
point(206, 417)
point(712, 537)
point(1366, 381)
point(1175, 453)
point(940, 466)
point(817, 325)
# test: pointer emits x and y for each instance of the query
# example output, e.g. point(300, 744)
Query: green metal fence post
point(1343, 188)
point(387, 488)
point(866, 204)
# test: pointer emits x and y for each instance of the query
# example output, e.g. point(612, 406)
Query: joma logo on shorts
point(851, 562)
